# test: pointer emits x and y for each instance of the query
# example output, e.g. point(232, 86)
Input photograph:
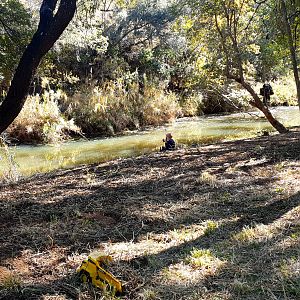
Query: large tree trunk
point(240, 77)
point(259, 104)
point(49, 30)
point(287, 29)
point(264, 109)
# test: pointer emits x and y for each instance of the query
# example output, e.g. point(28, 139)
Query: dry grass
point(232, 234)
point(41, 121)
point(114, 107)
point(119, 106)
point(10, 171)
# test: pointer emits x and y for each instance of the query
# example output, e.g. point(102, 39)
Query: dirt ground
point(218, 221)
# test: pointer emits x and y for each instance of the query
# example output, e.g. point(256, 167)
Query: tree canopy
point(186, 48)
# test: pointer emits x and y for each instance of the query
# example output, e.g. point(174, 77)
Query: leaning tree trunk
point(240, 78)
point(256, 102)
point(264, 109)
point(287, 29)
point(49, 30)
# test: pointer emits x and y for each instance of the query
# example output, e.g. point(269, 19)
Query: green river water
point(44, 158)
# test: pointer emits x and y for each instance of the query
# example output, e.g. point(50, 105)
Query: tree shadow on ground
point(123, 201)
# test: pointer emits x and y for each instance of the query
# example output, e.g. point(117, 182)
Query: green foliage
point(104, 56)
point(15, 31)
point(203, 259)
point(211, 226)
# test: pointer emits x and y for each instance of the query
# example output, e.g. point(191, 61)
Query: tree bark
point(240, 78)
point(49, 30)
point(259, 104)
point(288, 32)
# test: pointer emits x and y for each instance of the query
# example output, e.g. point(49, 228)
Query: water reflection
point(33, 159)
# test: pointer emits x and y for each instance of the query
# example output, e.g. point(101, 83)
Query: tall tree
point(291, 43)
point(231, 29)
point(51, 26)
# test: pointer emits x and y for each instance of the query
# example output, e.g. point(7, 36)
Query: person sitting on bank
point(266, 91)
point(169, 143)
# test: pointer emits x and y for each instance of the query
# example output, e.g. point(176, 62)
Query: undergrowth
point(118, 106)
point(41, 120)
point(9, 172)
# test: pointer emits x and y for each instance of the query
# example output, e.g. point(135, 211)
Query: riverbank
point(28, 160)
point(217, 221)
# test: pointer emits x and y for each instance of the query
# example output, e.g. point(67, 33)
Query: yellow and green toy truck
point(92, 271)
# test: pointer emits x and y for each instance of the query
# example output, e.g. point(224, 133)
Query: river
point(44, 158)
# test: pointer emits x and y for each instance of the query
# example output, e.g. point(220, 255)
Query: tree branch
point(49, 30)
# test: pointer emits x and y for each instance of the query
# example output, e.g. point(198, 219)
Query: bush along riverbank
point(216, 221)
point(118, 106)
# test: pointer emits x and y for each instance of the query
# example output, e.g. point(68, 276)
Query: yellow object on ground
point(91, 270)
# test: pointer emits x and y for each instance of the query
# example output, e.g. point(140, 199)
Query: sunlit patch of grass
point(210, 227)
point(181, 273)
point(8, 279)
point(153, 243)
point(258, 233)
point(280, 166)
point(195, 267)
point(290, 268)
point(207, 178)
point(279, 190)
point(203, 259)
point(148, 294)
point(184, 234)
point(200, 258)
point(246, 235)
point(262, 172)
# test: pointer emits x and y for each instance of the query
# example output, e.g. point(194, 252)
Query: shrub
point(192, 105)
point(118, 106)
point(9, 172)
point(284, 92)
point(41, 120)
point(159, 107)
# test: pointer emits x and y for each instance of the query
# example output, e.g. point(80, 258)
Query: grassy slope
point(215, 222)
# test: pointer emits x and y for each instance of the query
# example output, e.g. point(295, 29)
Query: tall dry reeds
point(117, 106)
point(41, 120)
point(10, 171)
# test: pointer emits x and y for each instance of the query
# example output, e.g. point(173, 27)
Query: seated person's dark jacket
point(170, 144)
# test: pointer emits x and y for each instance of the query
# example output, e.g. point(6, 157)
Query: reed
point(41, 120)
point(117, 106)
point(10, 172)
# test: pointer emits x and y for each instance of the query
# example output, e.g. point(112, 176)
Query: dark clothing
point(266, 91)
point(169, 145)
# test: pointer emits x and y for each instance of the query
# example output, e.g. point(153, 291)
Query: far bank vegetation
point(125, 66)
